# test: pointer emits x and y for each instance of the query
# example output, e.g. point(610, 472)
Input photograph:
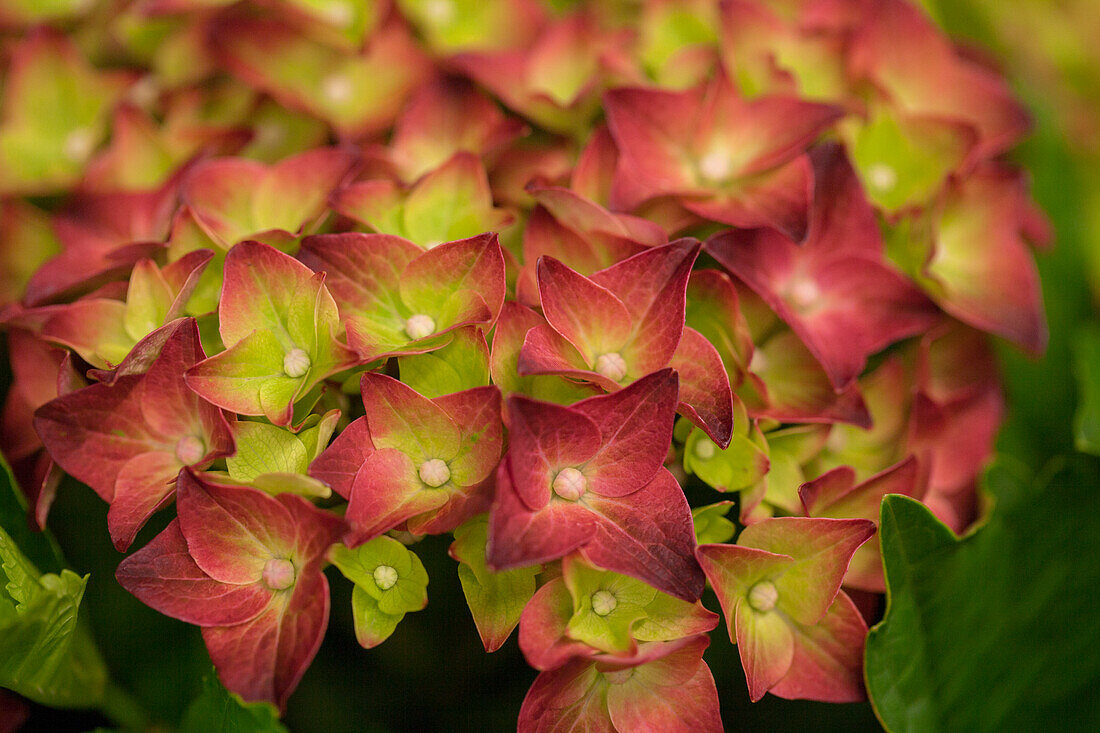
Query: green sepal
point(610, 632)
point(409, 593)
point(460, 365)
point(737, 467)
point(711, 525)
point(496, 600)
point(276, 460)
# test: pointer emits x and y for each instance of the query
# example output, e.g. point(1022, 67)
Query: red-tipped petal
point(164, 576)
point(265, 658)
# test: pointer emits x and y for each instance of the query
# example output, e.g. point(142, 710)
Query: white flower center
point(837, 440)
point(440, 12)
point(804, 292)
point(704, 450)
point(434, 473)
point(336, 88)
point(570, 484)
point(716, 166)
point(296, 363)
point(78, 144)
point(269, 133)
point(603, 602)
point(882, 177)
point(763, 596)
point(144, 91)
point(385, 577)
point(190, 450)
point(339, 14)
point(758, 363)
point(419, 326)
point(611, 366)
point(278, 574)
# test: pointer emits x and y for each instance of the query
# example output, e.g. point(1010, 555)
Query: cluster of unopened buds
point(323, 277)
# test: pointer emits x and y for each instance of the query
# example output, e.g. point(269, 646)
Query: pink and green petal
point(364, 276)
point(163, 576)
point(787, 383)
point(778, 198)
point(249, 378)
point(102, 237)
point(543, 625)
point(766, 644)
point(475, 25)
point(836, 494)
point(265, 658)
point(233, 531)
point(456, 283)
point(508, 338)
point(705, 395)
point(844, 306)
point(979, 266)
point(821, 549)
point(443, 117)
point(675, 692)
point(461, 365)
point(94, 328)
point(496, 600)
point(143, 485)
point(570, 698)
point(734, 569)
point(359, 94)
point(652, 286)
point(546, 354)
point(477, 412)
point(635, 428)
point(945, 84)
point(95, 431)
point(56, 113)
point(388, 491)
point(400, 418)
point(543, 440)
point(338, 464)
point(452, 202)
point(586, 314)
point(519, 537)
point(827, 664)
point(377, 204)
point(714, 310)
point(647, 535)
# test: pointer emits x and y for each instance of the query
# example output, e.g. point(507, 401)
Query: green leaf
point(496, 600)
point(45, 655)
point(460, 365)
point(1086, 422)
point(218, 709)
point(992, 631)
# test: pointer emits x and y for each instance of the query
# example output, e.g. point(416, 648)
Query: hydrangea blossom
point(532, 273)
